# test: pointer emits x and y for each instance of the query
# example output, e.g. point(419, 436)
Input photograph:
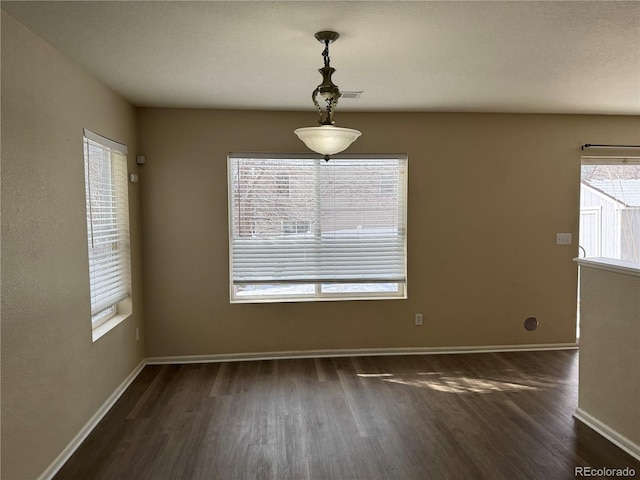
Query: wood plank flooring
point(468, 416)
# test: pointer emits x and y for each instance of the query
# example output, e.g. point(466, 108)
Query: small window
point(339, 233)
point(107, 206)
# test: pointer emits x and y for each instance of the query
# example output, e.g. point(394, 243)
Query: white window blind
point(336, 222)
point(107, 223)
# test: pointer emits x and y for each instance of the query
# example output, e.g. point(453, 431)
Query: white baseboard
point(59, 462)
point(607, 432)
point(285, 355)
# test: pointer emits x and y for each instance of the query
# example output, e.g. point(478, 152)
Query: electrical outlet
point(137, 333)
point(418, 319)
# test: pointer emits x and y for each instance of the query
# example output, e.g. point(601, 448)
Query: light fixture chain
point(325, 54)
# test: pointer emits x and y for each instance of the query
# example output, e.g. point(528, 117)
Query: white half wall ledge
point(609, 433)
point(610, 265)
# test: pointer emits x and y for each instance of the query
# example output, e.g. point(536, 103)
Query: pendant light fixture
point(327, 139)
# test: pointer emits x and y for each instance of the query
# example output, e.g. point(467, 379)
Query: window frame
point(400, 291)
point(118, 310)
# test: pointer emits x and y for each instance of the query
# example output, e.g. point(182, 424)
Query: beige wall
point(54, 378)
point(487, 194)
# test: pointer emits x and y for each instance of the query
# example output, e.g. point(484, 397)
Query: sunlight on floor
point(464, 384)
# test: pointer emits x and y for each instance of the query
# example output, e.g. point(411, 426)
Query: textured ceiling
point(559, 57)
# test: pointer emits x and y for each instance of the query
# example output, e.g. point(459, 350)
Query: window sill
point(108, 325)
point(275, 299)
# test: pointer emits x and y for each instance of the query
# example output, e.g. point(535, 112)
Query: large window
point(305, 229)
point(610, 208)
point(107, 203)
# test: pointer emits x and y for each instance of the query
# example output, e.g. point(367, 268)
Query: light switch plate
point(563, 239)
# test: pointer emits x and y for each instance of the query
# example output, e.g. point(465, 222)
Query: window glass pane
point(610, 211)
point(344, 288)
point(277, 290)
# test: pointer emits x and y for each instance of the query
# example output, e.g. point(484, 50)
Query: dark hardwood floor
point(468, 416)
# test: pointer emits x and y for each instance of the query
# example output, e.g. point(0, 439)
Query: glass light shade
point(327, 139)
